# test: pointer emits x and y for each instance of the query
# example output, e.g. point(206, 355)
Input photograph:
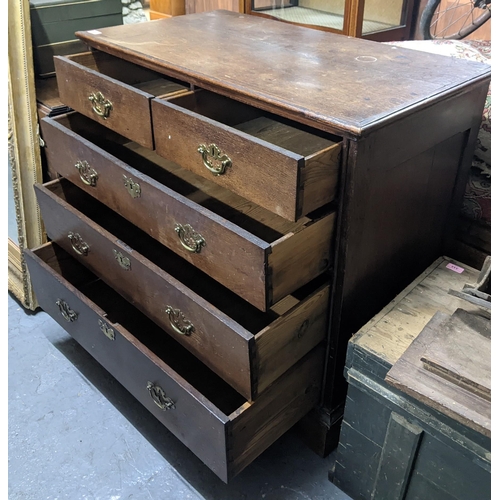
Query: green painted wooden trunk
point(54, 23)
point(393, 447)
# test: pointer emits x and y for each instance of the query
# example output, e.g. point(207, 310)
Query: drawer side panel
point(290, 337)
point(282, 405)
point(319, 178)
point(307, 253)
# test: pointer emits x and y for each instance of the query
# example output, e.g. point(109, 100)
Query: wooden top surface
point(388, 334)
point(459, 383)
point(340, 84)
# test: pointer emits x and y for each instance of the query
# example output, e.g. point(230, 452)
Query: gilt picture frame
point(24, 151)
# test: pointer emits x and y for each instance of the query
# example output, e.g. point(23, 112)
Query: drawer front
point(133, 365)
point(115, 105)
point(220, 343)
point(159, 211)
point(259, 171)
point(248, 362)
point(254, 269)
point(226, 441)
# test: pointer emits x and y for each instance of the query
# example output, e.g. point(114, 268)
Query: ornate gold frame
point(24, 151)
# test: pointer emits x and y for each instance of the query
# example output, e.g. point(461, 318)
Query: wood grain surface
point(460, 388)
point(389, 333)
point(215, 422)
point(225, 328)
point(194, 415)
point(239, 235)
point(342, 85)
point(296, 258)
point(268, 155)
point(254, 426)
point(127, 86)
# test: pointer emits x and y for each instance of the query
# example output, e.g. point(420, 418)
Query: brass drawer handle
point(100, 105)
point(66, 312)
point(79, 246)
point(87, 174)
point(213, 159)
point(133, 188)
point(122, 260)
point(159, 397)
point(109, 332)
point(178, 321)
point(189, 238)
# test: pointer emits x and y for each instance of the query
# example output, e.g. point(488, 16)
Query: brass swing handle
point(79, 246)
point(189, 238)
point(87, 174)
point(66, 312)
point(100, 105)
point(178, 321)
point(213, 159)
point(159, 397)
point(108, 331)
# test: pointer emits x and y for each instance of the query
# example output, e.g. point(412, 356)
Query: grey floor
point(75, 433)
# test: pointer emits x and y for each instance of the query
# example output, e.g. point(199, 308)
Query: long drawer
point(215, 422)
point(278, 164)
point(253, 252)
point(113, 91)
point(246, 347)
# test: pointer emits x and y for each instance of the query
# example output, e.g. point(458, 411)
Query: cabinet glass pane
point(379, 15)
point(326, 13)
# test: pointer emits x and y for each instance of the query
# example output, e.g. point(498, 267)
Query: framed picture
point(25, 226)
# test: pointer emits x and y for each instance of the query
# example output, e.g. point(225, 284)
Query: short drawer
point(249, 349)
point(201, 410)
point(256, 254)
point(278, 164)
point(115, 92)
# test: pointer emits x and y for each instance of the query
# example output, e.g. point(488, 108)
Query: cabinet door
point(350, 17)
point(197, 6)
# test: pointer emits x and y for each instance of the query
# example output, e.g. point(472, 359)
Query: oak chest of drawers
point(234, 198)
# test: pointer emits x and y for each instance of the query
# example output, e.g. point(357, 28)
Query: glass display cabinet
point(380, 20)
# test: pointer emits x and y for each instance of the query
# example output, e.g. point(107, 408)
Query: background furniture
point(393, 445)
point(54, 23)
point(371, 19)
point(159, 9)
point(197, 6)
point(25, 226)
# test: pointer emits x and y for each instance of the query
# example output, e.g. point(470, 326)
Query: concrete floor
point(75, 433)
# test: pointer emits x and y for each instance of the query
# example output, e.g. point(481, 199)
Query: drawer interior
point(274, 129)
point(126, 72)
point(118, 310)
point(256, 220)
point(251, 318)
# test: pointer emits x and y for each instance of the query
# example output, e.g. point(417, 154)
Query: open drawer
point(115, 92)
point(249, 349)
point(286, 167)
point(253, 252)
point(214, 421)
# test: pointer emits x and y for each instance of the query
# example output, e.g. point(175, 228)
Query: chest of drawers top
point(339, 84)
